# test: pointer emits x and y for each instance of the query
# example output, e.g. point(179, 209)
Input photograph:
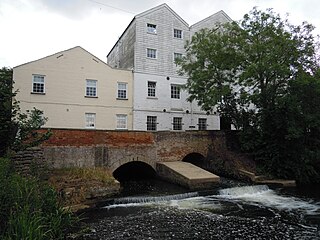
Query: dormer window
point(151, 28)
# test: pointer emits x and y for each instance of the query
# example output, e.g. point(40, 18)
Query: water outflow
point(155, 199)
point(248, 212)
point(138, 201)
point(262, 195)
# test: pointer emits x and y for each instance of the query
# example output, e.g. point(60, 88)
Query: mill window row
point(177, 123)
point(152, 53)
point(91, 87)
point(121, 121)
point(174, 88)
point(91, 90)
point(176, 33)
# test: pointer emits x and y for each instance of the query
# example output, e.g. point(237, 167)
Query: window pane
point(175, 91)
point(177, 123)
point(177, 56)
point(38, 84)
point(202, 124)
point(177, 33)
point(122, 90)
point(151, 53)
point(38, 79)
point(151, 123)
point(121, 121)
point(91, 88)
point(151, 89)
point(90, 120)
point(151, 28)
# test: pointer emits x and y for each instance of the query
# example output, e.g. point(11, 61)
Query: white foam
point(155, 199)
point(196, 203)
point(261, 194)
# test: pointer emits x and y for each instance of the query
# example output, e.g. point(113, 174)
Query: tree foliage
point(17, 129)
point(260, 73)
point(6, 96)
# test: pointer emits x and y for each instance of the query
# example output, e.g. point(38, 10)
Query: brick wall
point(75, 137)
point(90, 148)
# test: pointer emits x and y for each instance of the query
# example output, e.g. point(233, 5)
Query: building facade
point(77, 90)
point(149, 46)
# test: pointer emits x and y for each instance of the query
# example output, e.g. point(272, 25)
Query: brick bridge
point(112, 149)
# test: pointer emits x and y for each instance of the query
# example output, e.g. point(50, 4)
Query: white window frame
point(177, 123)
point(122, 93)
point(121, 121)
point(36, 83)
point(152, 53)
point(177, 33)
point(90, 88)
point(152, 89)
point(177, 56)
point(151, 28)
point(90, 120)
point(151, 123)
point(175, 91)
point(202, 126)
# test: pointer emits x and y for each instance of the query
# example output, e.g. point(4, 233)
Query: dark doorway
point(195, 159)
point(134, 171)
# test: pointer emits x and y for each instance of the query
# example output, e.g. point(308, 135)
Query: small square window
point(202, 124)
point(90, 120)
point(151, 28)
point(177, 123)
point(177, 56)
point(177, 33)
point(151, 53)
point(175, 91)
point(38, 84)
point(121, 121)
point(151, 123)
point(122, 91)
point(152, 89)
point(91, 88)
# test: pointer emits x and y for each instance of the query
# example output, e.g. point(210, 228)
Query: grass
point(29, 208)
point(98, 174)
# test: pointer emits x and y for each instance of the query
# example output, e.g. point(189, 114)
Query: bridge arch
point(196, 159)
point(134, 170)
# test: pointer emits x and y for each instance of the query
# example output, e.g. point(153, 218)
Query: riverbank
point(81, 188)
point(29, 208)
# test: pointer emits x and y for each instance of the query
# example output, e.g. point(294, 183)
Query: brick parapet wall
point(79, 137)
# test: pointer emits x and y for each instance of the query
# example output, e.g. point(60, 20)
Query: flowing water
point(231, 211)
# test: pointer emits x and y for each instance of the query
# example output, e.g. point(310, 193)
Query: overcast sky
point(32, 29)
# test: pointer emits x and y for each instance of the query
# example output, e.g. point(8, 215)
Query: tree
point(6, 96)
point(17, 129)
point(293, 145)
point(249, 71)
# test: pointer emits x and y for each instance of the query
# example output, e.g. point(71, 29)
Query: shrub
point(29, 209)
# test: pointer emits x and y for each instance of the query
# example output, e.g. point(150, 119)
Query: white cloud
point(36, 28)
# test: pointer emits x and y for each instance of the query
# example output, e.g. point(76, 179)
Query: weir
point(187, 175)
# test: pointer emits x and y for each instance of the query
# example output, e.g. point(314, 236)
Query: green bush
point(29, 209)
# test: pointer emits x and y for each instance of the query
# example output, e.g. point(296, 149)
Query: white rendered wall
point(64, 101)
point(154, 106)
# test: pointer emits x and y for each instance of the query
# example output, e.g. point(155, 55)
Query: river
point(233, 210)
